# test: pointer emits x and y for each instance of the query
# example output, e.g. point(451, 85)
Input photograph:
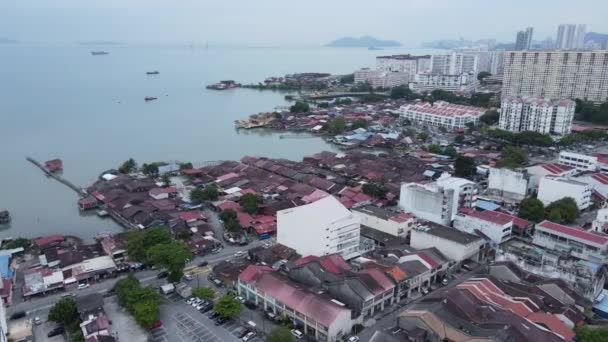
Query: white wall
point(498, 233)
point(426, 202)
point(454, 251)
point(386, 226)
point(552, 189)
point(508, 183)
point(580, 161)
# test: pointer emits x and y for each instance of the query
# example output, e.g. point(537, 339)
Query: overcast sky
point(285, 22)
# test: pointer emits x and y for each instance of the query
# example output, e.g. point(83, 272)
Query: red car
point(156, 324)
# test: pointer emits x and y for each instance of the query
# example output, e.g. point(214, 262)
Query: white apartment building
point(408, 64)
point(570, 36)
point(552, 189)
point(320, 228)
point(441, 113)
point(454, 244)
point(557, 74)
point(573, 241)
point(454, 64)
point(537, 172)
point(536, 114)
point(465, 82)
point(390, 222)
point(579, 161)
point(508, 184)
point(438, 201)
point(381, 79)
point(496, 227)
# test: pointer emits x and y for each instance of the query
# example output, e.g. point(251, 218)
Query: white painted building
point(454, 244)
point(381, 79)
point(570, 36)
point(574, 241)
point(497, 228)
point(537, 172)
point(454, 63)
point(438, 201)
point(320, 228)
point(408, 64)
point(464, 82)
point(580, 161)
point(536, 114)
point(441, 113)
point(552, 189)
point(390, 222)
point(600, 224)
point(508, 184)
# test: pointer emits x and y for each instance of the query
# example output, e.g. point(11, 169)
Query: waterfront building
point(441, 113)
point(536, 114)
point(574, 74)
point(553, 188)
point(320, 228)
point(408, 64)
point(381, 79)
point(570, 36)
point(438, 201)
point(523, 40)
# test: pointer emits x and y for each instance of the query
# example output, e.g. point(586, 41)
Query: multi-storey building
point(536, 114)
point(570, 36)
point(390, 222)
point(523, 40)
point(442, 113)
point(552, 189)
point(438, 201)
point(496, 64)
point(497, 228)
point(381, 79)
point(408, 64)
point(557, 74)
point(572, 241)
point(579, 161)
point(320, 228)
point(454, 64)
point(464, 82)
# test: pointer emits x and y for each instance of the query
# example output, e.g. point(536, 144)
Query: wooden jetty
point(81, 192)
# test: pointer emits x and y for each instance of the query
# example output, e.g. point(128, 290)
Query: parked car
point(271, 316)
point(239, 254)
point(353, 339)
point(162, 274)
point(18, 314)
point(191, 300)
point(68, 295)
point(206, 308)
point(156, 324)
point(203, 264)
point(240, 299)
point(56, 331)
point(37, 320)
point(425, 291)
point(213, 315)
point(242, 331)
point(83, 286)
point(188, 277)
point(250, 335)
point(250, 305)
point(444, 281)
point(221, 320)
point(218, 283)
point(297, 334)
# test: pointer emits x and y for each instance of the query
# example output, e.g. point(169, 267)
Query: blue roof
point(5, 271)
point(168, 168)
point(601, 307)
point(486, 205)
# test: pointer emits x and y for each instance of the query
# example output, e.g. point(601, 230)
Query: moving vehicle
point(37, 320)
point(250, 335)
point(239, 254)
point(203, 264)
point(297, 334)
point(56, 331)
point(83, 286)
point(444, 281)
point(18, 314)
point(188, 277)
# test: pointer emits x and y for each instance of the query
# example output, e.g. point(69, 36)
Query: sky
point(288, 22)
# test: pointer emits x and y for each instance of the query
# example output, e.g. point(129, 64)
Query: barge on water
point(99, 53)
point(155, 72)
point(5, 216)
point(223, 85)
point(150, 98)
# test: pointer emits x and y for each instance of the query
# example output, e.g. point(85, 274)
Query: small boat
point(223, 85)
point(99, 53)
point(155, 72)
point(150, 98)
point(102, 213)
point(5, 216)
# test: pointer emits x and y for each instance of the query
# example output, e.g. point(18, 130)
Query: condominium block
point(453, 63)
point(536, 114)
point(557, 74)
point(441, 113)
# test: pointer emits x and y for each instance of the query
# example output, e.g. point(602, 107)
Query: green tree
point(532, 209)
point(65, 312)
point(374, 190)
point(150, 169)
point(249, 203)
point(591, 334)
point(464, 167)
point(337, 125)
point(280, 334)
point(128, 166)
point(166, 179)
point(135, 245)
point(145, 313)
point(171, 256)
point(512, 157)
point(300, 107)
point(227, 306)
point(228, 215)
point(141, 302)
point(347, 79)
point(370, 98)
point(17, 243)
point(403, 92)
point(359, 123)
point(209, 193)
point(565, 207)
point(459, 139)
point(232, 225)
point(555, 215)
point(490, 117)
point(156, 235)
point(450, 151)
point(482, 75)
point(185, 166)
point(434, 149)
point(203, 292)
point(423, 136)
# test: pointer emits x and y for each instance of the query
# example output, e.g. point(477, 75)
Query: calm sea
point(62, 102)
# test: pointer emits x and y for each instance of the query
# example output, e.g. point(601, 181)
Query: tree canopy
point(139, 242)
point(229, 217)
point(300, 107)
point(209, 193)
point(280, 334)
point(346, 79)
point(459, 139)
point(464, 167)
point(128, 166)
point(424, 136)
point(66, 313)
point(141, 302)
point(150, 169)
point(490, 117)
point(18, 242)
point(564, 210)
point(588, 111)
point(512, 157)
point(532, 209)
point(227, 306)
point(359, 123)
point(203, 292)
point(483, 75)
point(337, 125)
point(374, 190)
point(521, 138)
point(249, 203)
point(403, 92)
point(591, 334)
point(171, 256)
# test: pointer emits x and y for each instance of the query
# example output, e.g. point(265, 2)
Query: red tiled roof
point(517, 221)
point(379, 278)
point(600, 177)
point(229, 205)
point(577, 232)
point(262, 228)
point(43, 241)
point(483, 215)
point(244, 219)
point(305, 260)
point(334, 263)
point(251, 271)
point(598, 195)
point(191, 215)
point(192, 172)
point(557, 168)
point(553, 323)
point(428, 260)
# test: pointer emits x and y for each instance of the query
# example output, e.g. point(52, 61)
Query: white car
point(297, 334)
point(83, 286)
point(37, 320)
point(425, 291)
point(240, 299)
point(191, 300)
point(250, 335)
point(239, 254)
point(353, 339)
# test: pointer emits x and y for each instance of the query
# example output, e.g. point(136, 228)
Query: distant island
point(99, 42)
point(365, 41)
point(7, 41)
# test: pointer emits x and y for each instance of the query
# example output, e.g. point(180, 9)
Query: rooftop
point(447, 233)
point(443, 108)
point(576, 232)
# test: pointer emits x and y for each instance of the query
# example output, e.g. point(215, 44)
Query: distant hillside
point(365, 41)
point(601, 38)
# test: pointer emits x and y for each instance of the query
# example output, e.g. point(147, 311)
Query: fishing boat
point(99, 53)
point(150, 98)
point(5, 216)
point(155, 72)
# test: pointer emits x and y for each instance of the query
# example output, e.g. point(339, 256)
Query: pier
point(81, 192)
